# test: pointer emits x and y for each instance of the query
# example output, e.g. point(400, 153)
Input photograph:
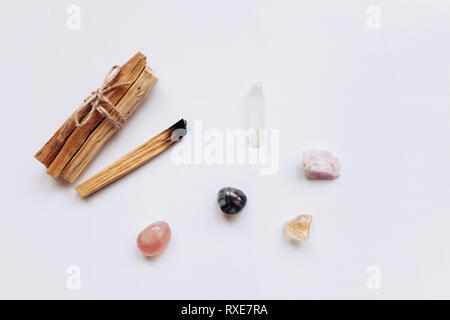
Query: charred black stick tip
point(179, 130)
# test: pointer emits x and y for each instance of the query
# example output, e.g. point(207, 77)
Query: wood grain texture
point(129, 72)
point(132, 160)
point(50, 150)
point(126, 106)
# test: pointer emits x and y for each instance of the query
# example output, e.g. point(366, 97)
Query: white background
point(380, 100)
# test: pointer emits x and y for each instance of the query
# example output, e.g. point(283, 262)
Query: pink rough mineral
point(153, 239)
point(321, 165)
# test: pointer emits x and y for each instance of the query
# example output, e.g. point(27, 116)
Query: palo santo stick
point(133, 160)
point(51, 149)
point(106, 129)
point(129, 73)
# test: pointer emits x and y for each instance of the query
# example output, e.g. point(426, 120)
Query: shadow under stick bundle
point(78, 140)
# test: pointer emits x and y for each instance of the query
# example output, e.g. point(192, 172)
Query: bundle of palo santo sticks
point(79, 139)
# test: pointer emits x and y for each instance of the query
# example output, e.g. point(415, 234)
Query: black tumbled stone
point(231, 200)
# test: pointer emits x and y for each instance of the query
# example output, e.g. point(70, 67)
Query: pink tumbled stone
point(153, 239)
point(321, 164)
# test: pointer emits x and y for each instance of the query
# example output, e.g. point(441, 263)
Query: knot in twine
point(95, 100)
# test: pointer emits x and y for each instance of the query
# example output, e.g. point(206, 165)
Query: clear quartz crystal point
point(256, 115)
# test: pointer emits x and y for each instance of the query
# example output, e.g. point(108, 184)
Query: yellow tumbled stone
point(298, 228)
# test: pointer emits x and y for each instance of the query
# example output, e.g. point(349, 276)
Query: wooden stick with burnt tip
point(133, 160)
